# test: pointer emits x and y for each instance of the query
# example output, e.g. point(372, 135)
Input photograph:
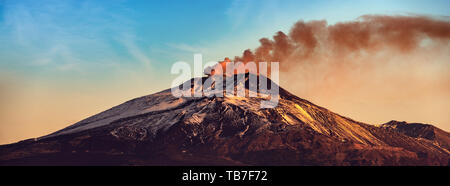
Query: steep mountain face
point(161, 129)
point(421, 131)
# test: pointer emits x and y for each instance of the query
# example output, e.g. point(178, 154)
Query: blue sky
point(67, 38)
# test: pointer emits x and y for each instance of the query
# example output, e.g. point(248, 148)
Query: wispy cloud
point(60, 56)
point(239, 12)
point(129, 42)
point(63, 35)
point(187, 48)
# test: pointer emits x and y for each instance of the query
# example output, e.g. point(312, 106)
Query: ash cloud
point(373, 69)
point(368, 34)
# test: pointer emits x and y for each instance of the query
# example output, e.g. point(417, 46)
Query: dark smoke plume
point(368, 34)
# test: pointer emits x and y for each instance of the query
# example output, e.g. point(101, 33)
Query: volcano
point(160, 129)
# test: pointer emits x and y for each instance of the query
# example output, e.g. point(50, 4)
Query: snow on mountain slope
point(293, 112)
point(163, 129)
point(152, 103)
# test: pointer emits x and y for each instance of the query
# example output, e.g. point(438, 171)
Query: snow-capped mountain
point(161, 129)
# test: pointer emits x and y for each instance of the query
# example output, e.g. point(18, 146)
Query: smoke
point(368, 34)
point(372, 69)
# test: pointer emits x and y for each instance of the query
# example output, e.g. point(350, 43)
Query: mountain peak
point(161, 129)
point(421, 131)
